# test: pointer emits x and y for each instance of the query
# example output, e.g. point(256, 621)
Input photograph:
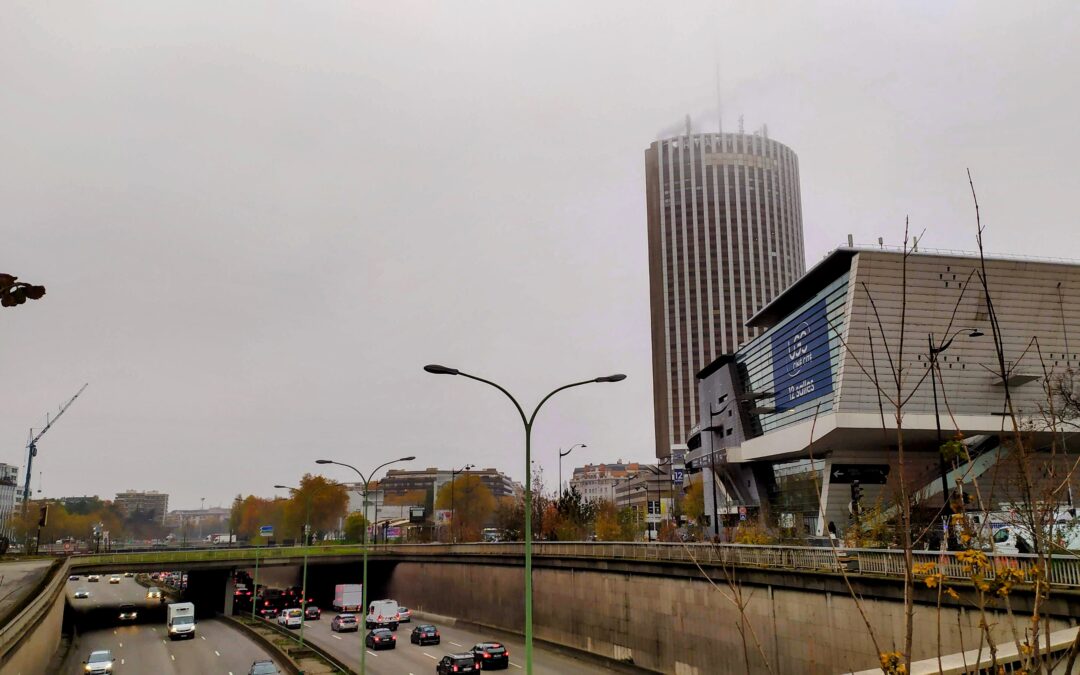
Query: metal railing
point(1064, 570)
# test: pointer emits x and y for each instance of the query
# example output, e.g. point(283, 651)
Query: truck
point(181, 620)
point(221, 538)
point(348, 597)
point(383, 614)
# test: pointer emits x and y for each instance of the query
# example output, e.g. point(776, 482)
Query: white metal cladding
point(730, 241)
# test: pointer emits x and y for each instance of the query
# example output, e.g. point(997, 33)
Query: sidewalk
point(18, 579)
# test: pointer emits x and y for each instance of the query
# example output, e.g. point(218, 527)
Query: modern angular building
point(792, 419)
point(725, 238)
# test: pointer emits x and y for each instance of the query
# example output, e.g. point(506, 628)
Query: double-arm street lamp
point(453, 513)
point(363, 588)
point(936, 350)
point(308, 496)
point(527, 421)
point(564, 454)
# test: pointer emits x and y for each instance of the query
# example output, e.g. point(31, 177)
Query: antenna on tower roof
point(741, 129)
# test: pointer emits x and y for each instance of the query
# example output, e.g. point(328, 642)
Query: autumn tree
point(355, 526)
point(472, 503)
point(319, 501)
point(694, 502)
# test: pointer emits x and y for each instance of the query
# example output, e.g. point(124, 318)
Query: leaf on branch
point(35, 292)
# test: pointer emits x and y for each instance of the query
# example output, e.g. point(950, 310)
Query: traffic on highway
point(126, 628)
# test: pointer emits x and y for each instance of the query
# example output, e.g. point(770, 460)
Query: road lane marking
point(121, 661)
point(433, 658)
point(172, 656)
point(203, 636)
point(217, 653)
point(514, 664)
point(336, 637)
point(371, 652)
point(454, 643)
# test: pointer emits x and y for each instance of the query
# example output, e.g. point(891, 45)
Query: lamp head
point(619, 377)
point(407, 459)
point(324, 461)
point(976, 333)
point(282, 487)
point(436, 369)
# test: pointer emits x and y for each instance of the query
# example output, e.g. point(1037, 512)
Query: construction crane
point(31, 446)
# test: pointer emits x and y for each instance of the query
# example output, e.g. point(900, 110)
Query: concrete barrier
point(30, 637)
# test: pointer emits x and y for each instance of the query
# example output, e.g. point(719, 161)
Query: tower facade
point(725, 237)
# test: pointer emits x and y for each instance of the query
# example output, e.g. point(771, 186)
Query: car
point(343, 623)
point(457, 663)
point(404, 614)
point(74, 577)
point(425, 634)
point(93, 578)
point(381, 638)
point(82, 594)
point(114, 579)
point(153, 593)
point(128, 612)
point(312, 612)
point(263, 668)
point(291, 618)
point(100, 662)
point(129, 574)
point(491, 655)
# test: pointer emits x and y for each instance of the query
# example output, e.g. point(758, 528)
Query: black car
point(312, 613)
point(381, 638)
point(491, 655)
point(457, 663)
point(425, 634)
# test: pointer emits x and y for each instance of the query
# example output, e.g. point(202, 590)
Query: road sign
point(868, 474)
point(677, 476)
point(742, 513)
point(266, 531)
point(392, 533)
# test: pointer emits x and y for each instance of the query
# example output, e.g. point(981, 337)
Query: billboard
point(802, 360)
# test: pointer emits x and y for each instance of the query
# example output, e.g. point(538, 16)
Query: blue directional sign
point(677, 475)
point(266, 531)
point(802, 360)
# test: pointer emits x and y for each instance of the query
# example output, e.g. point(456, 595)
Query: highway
point(410, 659)
point(145, 647)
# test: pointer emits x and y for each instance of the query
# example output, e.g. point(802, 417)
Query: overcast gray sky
point(258, 221)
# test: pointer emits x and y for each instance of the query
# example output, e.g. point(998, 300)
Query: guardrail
point(1064, 570)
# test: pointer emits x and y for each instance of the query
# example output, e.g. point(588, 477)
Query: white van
point(181, 620)
point(383, 614)
point(1011, 536)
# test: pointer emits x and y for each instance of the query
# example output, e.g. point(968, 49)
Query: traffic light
point(856, 492)
point(44, 518)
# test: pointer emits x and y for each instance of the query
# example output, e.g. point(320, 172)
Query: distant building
point(178, 517)
point(152, 502)
point(9, 492)
point(599, 481)
point(650, 493)
point(399, 483)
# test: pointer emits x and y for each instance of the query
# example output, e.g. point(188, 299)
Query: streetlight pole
point(363, 584)
point(453, 513)
point(527, 421)
point(307, 527)
point(934, 351)
point(564, 454)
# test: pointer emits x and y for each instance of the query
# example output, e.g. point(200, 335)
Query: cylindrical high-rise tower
point(725, 237)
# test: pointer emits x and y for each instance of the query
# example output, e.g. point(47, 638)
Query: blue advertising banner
point(802, 360)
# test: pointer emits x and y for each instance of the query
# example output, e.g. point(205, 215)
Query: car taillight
point(394, 638)
point(436, 633)
point(455, 669)
point(507, 653)
point(486, 655)
point(376, 639)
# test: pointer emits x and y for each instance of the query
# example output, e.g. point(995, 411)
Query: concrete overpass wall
point(687, 626)
point(28, 641)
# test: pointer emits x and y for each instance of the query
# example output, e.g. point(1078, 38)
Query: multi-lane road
point(145, 647)
point(410, 659)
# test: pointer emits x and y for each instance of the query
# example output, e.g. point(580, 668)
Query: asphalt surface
point(145, 647)
point(18, 579)
point(410, 659)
